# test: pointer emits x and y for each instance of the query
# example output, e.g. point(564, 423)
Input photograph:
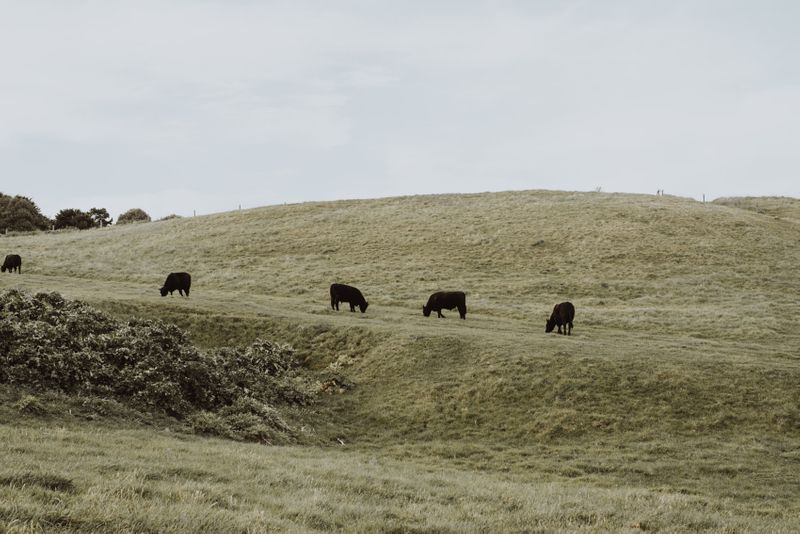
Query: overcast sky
point(175, 106)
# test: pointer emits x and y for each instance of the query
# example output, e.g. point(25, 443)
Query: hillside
point(680, 377)
point(786, 208)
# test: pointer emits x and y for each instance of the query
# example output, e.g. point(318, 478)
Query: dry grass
point(680, 380)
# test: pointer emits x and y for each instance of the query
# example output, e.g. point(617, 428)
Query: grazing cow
point(563, 314)
point(180, 281)
point(446, 300)
point(343, 293)
point(12, 262)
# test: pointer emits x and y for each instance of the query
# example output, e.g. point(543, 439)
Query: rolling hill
point(679, 384)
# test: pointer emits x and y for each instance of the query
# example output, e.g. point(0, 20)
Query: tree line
point(21, 214)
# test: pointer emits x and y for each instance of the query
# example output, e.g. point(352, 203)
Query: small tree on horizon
point(133, 215)
point(100, 217)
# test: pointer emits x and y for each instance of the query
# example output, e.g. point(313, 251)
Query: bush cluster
point(49, 343)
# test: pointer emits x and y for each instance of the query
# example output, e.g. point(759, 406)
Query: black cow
point(343, 293)
point(446, 300)
point(563, 314)
point(180, 281)
point(12, 262)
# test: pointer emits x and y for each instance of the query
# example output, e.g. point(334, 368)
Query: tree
point(21, 214)
point(100, 217)
point(133, 215)
point(73, 218)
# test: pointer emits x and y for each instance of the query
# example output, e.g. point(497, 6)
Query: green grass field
point(675, 404)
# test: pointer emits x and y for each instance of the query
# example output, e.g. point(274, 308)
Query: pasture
point(674, 405)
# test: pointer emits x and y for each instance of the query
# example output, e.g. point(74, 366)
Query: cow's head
point(363, 307)
point(163, 291)
point(3, 269)
point(426, 311)
point(548, 327)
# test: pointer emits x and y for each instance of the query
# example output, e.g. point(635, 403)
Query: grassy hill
point(786, 208)
point(678, 386)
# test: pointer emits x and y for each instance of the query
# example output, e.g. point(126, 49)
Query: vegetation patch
point(48, 343)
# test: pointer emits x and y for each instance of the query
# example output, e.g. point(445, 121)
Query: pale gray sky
point(174, 106)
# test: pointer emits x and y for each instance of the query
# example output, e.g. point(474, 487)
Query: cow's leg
point(333, 303)
point(570, 329)
point(462, 312)
point(440, 313)
point(352, 307)
point(180, 291)
point(559, 328)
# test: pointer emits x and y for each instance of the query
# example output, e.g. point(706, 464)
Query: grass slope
point(786, 208)
point(681, 376)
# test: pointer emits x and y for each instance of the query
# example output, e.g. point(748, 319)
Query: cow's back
point(178, 281)
point(446, 300)
point(346, 293)
point(11, 262)
point(565, 311)
point(184, 280)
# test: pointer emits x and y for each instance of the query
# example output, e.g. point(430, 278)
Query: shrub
point(170, 216)
point(49, 343)
point(101, 217)
point(133, 215)
point(31, 405)
point(245, 420)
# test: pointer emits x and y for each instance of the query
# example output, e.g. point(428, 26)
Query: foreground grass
point(677, 392)
point(106, 480)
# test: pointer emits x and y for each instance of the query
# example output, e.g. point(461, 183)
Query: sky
point(178, 106)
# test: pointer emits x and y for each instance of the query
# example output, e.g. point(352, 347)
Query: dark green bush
point(49, 343)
